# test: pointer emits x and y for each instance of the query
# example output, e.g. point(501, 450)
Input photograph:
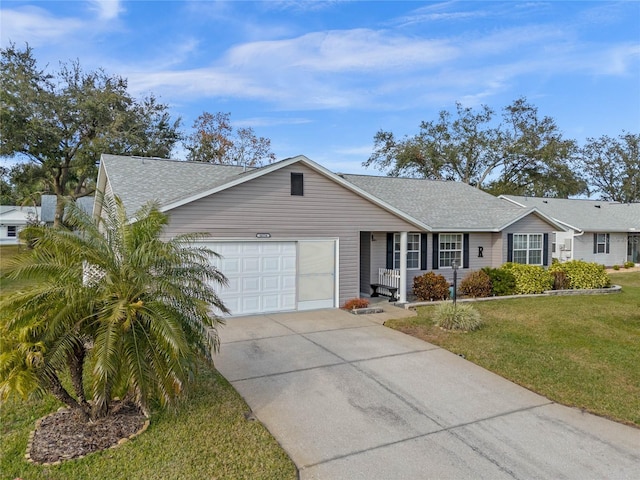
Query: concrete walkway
point(350, 399)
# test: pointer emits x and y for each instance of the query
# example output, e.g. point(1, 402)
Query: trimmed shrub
point(430, 286)
point(355, 303)
point(476, 284)
point(462, 317)
point(502, 281)
point(617, 267)
point(583, 275)
point(629, 264)
point(529, 278)
point(560, 280)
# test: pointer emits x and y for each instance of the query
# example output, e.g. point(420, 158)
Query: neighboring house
point(295, 236)
point(49, 203)
point(594, 230)
point(13, 219)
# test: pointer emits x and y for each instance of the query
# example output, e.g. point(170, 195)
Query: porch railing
point(389, 277)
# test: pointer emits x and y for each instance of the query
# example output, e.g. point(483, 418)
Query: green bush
point(502, 281)
point(430, 286)
point(617, 267)
point(583, 275)
point(461, 316)
point(629, 264)
point(529, 278)
point(476, 284)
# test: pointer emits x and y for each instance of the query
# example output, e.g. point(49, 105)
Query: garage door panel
point(262, 276)
point(271, 283)
point(250, 265)
point(271, 264)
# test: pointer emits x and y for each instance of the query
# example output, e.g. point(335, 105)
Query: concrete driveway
point(350, 399)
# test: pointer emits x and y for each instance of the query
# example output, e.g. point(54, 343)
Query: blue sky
point(321, 78)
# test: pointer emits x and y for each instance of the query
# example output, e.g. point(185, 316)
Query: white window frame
point(413, 255)
point(528, 249)
point(457, 253)
point(603, 243)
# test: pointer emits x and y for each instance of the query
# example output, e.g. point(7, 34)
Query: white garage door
point(262, 276)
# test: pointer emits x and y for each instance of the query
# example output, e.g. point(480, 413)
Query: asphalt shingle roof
point(440, 204)
point(138, 180)
point(586, 215)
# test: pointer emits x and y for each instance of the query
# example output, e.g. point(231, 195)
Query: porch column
point(403, 268)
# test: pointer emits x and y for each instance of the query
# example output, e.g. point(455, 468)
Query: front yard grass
point(206, 437)
point(581, 351)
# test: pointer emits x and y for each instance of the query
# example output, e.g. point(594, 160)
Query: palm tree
point(113, 302)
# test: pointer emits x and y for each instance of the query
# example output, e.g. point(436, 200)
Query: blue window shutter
point(607, 244)
point(465, 250)
point(423, 251)
point(510, 247)
point(436, 253)
point(389, 250)
point(545, 249)
point(595, 243)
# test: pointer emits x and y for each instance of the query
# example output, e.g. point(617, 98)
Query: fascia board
point(502, 197)
point(101, 184)
point(537, 212)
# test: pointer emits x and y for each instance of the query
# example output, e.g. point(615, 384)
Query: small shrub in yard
point(502, 281)
point(560, 280)
point(430, 286)
point(617, 267)
point(355, 303)
point(529, 278)
point(629, 264)
point(461, 316)
point(583, 275)
point(476, 284)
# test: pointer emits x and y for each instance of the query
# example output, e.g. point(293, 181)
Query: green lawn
point(206, 437)
point(6, 253)
point(582, 351)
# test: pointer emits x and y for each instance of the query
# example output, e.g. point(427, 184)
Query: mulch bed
point(64, 435)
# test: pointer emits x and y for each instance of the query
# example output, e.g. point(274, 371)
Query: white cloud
point(344, 51)
point(106, 9)
point(35, 26)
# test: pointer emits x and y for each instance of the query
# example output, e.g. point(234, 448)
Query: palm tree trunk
point(54, 386)
point(76, 367)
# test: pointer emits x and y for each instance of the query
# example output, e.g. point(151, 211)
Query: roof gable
point(584, 214)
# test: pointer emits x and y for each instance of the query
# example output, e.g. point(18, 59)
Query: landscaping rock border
point(547, 293)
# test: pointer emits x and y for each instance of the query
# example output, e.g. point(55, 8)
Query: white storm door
point(316, 274)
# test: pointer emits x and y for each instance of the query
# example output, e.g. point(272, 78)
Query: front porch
point(394, 259)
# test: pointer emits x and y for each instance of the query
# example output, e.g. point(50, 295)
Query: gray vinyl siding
point(529, 224)
point(583, 249)
point(497, 258)
point(265, 205)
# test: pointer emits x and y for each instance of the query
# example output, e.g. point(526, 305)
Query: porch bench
point(392, 291)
